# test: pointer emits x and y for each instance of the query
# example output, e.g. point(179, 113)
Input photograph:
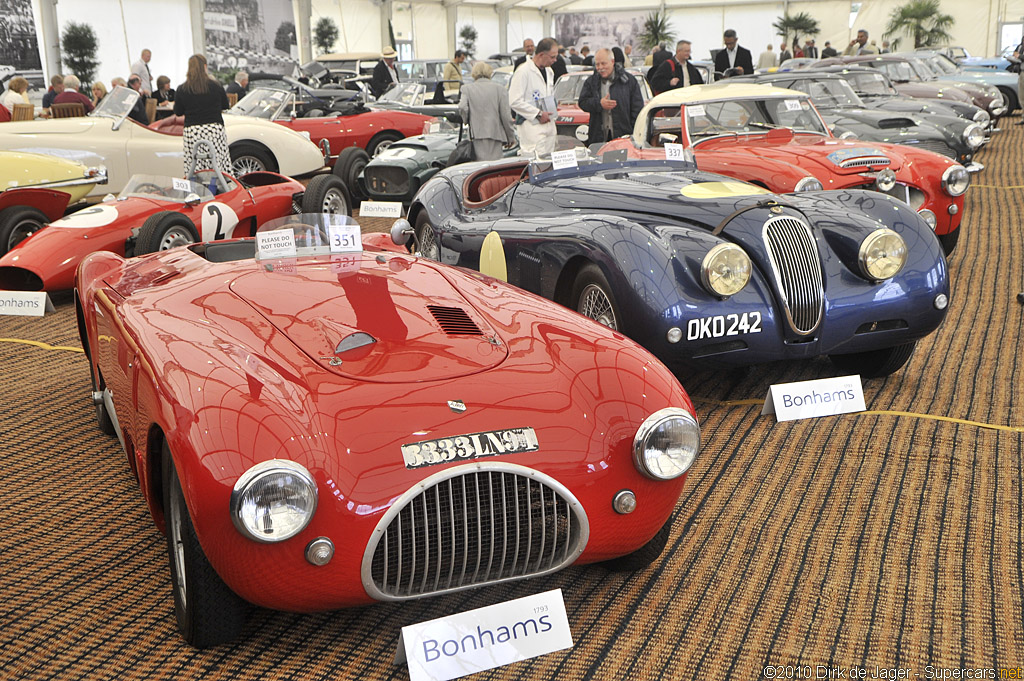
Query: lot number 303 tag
point(345, 238)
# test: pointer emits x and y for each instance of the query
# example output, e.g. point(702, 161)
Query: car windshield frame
point(161, 188)
point(118, 103)
point(763, 122)
point(311, 234)
point(838, 92)
point(264, 102)
point(857, 80)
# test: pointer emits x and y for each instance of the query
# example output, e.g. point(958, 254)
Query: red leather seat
point(492, 186)
point(172, 125)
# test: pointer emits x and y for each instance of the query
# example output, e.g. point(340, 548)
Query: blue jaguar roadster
point(699, 268)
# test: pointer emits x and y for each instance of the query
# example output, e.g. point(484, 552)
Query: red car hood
point(808, 150)
point(422, 329)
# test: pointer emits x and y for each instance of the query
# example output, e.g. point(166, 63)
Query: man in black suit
point(676, 71)
point(733, 60)
point(528, 49)
point(384, 73)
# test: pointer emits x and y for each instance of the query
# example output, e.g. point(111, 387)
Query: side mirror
point(401, 232)
point(192, 199)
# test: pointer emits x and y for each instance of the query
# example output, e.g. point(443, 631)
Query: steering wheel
point(149, 188)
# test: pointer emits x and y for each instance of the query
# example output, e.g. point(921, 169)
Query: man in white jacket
point(531, 94)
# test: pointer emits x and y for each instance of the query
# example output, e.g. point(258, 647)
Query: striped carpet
point(887, 539)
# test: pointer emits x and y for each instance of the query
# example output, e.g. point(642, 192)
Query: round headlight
point(955, 180)
point(725, 270)
point(273, 500)
point(929, 217)
point(974, 136)
point(809, 184)
point(885, 180)
point(882, 254)
point(666, 443)
point(981, 117)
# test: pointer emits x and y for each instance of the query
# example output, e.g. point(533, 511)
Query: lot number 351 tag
point(345, 238)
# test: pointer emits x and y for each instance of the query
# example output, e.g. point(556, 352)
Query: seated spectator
point(99, 91)
point(138, 112)
point(5, 115)
point(71, 93)
point(16, 93)
point(56, 87)
point(239, 86)
point(114, 82)
point(164, 93)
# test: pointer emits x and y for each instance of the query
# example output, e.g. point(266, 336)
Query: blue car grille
point(797, 269)
point(472, 525)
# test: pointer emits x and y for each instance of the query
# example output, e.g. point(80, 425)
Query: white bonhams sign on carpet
point(485, 638)
point(808, 399)
point(25, 303)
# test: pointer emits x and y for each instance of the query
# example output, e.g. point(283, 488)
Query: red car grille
point(474, 525)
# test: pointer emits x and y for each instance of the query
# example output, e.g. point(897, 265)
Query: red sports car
point(322, 430)
point(155, 212)
point(775, 138)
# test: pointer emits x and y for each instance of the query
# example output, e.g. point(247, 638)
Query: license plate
point(471, 446)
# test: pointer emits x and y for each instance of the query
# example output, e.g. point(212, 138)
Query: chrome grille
point(472, 525)
point(938, 146)
point(797, 267)
point(862, 161)
point(386, 180)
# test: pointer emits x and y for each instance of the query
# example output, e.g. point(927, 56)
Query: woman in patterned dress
point(200, 99)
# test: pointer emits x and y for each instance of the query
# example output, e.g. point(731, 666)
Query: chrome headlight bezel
point(955, 180)
point(254, 480)
point(974, 136)
point(871, 266)
point(715, 256)
point(809, 184)
point(645, 457)
point(981, 117)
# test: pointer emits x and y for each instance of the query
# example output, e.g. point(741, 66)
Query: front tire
point(208, 612)
point(381, 141)
point(643, 556)
point(349, 164)
point(17, 223)
point(426, 240)
point(592, 297)
point(165, 230)
point(875, 363)
point(949, 241)
point(326, 194)
point(247, 157)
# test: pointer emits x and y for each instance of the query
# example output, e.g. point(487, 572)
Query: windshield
point(117, 104)
point(568, 88)
point(924, 72)
point(410, 94)
point(262, 103)
point(311, 234)
point(870, 84)
point(897, 71)
point(828, 94)
point(737, 116)
point(943, 64)
point(175, 190)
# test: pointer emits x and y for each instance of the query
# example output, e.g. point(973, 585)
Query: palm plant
point(797, 24)
point(78, 44)
point(922, 20)
point(325, 33)
point(467, 38)
point(656, 31)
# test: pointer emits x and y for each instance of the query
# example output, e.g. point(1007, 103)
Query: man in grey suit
point(484, 105)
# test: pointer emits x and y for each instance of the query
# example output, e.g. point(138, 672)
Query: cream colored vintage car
point(36, 189)
point(108, 137)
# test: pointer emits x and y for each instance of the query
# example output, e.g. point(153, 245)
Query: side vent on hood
point(454, 321)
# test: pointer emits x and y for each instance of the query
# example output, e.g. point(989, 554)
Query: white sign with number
point(485, 638)
point(345, 238)
point(810, 399)
point(279, 243)
point(792, 105)
point(695, 110)
point(180, 184)
point(673, 152)
point(380, 209)
point(563, 159)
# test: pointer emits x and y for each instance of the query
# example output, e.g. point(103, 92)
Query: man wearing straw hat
point(384, 73)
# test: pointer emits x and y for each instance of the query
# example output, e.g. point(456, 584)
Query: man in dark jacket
point(733, 60)
point(612, 98)
point(384, 73)
point(677, 71)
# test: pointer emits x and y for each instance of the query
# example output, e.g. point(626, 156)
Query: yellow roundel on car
point(719, 190)
point(492, 257)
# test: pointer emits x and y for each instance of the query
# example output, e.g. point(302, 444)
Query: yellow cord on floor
point(44, 346)
point(873, 412)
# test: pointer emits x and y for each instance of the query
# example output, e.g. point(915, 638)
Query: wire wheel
point(175, 528)
point(176, 236)
point(244, 165)
point(595, 304)
point(427, 239)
